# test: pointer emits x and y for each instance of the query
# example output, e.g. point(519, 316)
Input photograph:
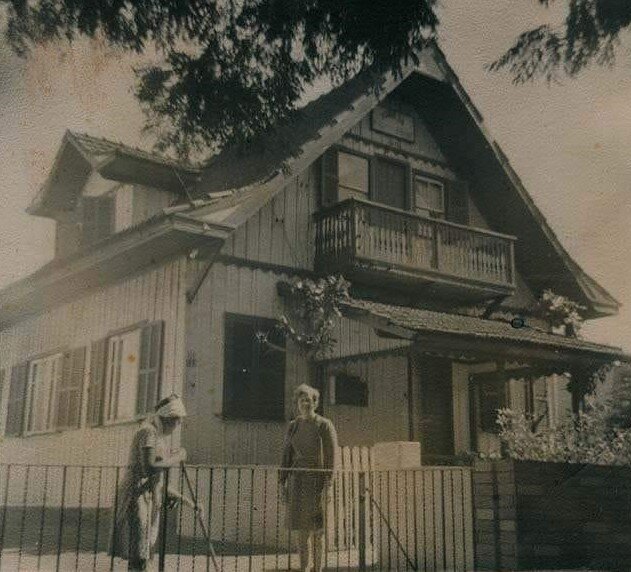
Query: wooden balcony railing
point(360, 232)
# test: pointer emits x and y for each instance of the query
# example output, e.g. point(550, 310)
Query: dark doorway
point(437, 433)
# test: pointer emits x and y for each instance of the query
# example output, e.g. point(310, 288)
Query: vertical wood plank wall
point(155, 294)
point(282, 231)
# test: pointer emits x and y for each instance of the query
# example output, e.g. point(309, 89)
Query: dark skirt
point(306, 500)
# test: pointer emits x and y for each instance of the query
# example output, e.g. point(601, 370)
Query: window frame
point(234, 411)
point(52, 394)
point(369, 164)
point(430, 179)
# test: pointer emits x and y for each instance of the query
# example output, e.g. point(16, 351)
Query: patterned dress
point(309, 444)
point(140, 495)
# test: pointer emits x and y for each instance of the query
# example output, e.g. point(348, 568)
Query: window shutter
point(70, 388)
point(98, 355)
point(329, 178)
point(3, 375)
point(17, 400)
point(458, 202)
point(149, 367)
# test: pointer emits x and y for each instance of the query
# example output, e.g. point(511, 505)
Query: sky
point(570, 143)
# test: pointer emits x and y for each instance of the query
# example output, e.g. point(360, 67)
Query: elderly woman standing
point(140, 495)
point(310, 443)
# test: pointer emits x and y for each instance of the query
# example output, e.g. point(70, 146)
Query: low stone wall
point(532, 515)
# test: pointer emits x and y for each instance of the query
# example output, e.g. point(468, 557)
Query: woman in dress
point(140, 495)
point(310, 443)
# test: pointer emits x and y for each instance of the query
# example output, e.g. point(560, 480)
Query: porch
point(363, 239)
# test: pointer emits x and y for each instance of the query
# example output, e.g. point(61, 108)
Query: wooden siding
point(282, 232)
point(157, 294)
point(423, 145)
point(208, 436)
point(387, 416)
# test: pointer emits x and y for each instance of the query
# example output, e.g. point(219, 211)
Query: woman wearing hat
point(310, 443)
point(140, 494)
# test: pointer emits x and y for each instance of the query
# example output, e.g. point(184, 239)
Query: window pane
point(122, 371)
point(44, 376)
point(428, 195)
point(352, 176)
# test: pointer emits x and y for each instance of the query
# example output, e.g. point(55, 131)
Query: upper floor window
point(254, 371)
point(98, 218)
point(429, 197)
point(353, 176)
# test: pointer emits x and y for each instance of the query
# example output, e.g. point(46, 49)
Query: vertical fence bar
point(97, 517)
point(265, 474)
point(61, 515)
point(115, 536)
point(414, 519)
point(238, 510)
point(23, 520)
point(182, 468)
point(362, 521)
point(42, 521)
point(210, 520)
point(195, 518)
point(279, 492)
point(163, 523)
point(223, 513)
point(251, 520)
point(4, 511)
point(80, 517)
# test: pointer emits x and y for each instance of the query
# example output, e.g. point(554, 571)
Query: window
point(537, 402)
point(353, 178)
point(69, 390)
point(125, 375)
point(345, 389)
point(254, 371)
point(428, 197)
point(98, 218)
point(391, 183)
point(44, 375)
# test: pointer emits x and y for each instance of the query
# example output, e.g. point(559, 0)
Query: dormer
point(97, 188)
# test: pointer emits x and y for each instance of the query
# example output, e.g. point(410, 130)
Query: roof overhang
point(75, 163)
point(478, 339)
point(141, 247)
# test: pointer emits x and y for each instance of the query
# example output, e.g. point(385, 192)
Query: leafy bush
point(561, 312)
point(587, 437)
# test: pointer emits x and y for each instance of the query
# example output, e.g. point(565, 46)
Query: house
point(165, 272)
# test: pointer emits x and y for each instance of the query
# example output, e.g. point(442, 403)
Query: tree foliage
point(590, 33)
point(231, 68)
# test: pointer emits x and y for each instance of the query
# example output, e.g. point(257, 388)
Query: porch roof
point(470, 332)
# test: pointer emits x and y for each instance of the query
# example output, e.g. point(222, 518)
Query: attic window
point(429, 197)
point(98, 218)
point(353, 179)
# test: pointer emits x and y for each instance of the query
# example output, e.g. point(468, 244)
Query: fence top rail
point(276, 468)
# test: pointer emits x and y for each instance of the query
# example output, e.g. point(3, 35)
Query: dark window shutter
point(329, 178)
point(254, 372)
point(149, 367)
point(391, 183)
point(3, 384)
point(98, 357)
point(70, 389)
point(17, 400)
point(458, 202)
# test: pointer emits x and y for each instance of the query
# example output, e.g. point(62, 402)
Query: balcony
point(377, 244)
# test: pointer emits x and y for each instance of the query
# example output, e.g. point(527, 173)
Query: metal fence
point(59, 518)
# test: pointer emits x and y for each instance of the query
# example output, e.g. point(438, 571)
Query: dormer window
point(98, 218)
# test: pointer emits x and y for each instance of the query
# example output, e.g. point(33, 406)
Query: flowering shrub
point(587, 437)
point(561, 312)
point(311, 310)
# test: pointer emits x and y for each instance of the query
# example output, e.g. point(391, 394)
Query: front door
point(391, 183)
point(436, 424)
